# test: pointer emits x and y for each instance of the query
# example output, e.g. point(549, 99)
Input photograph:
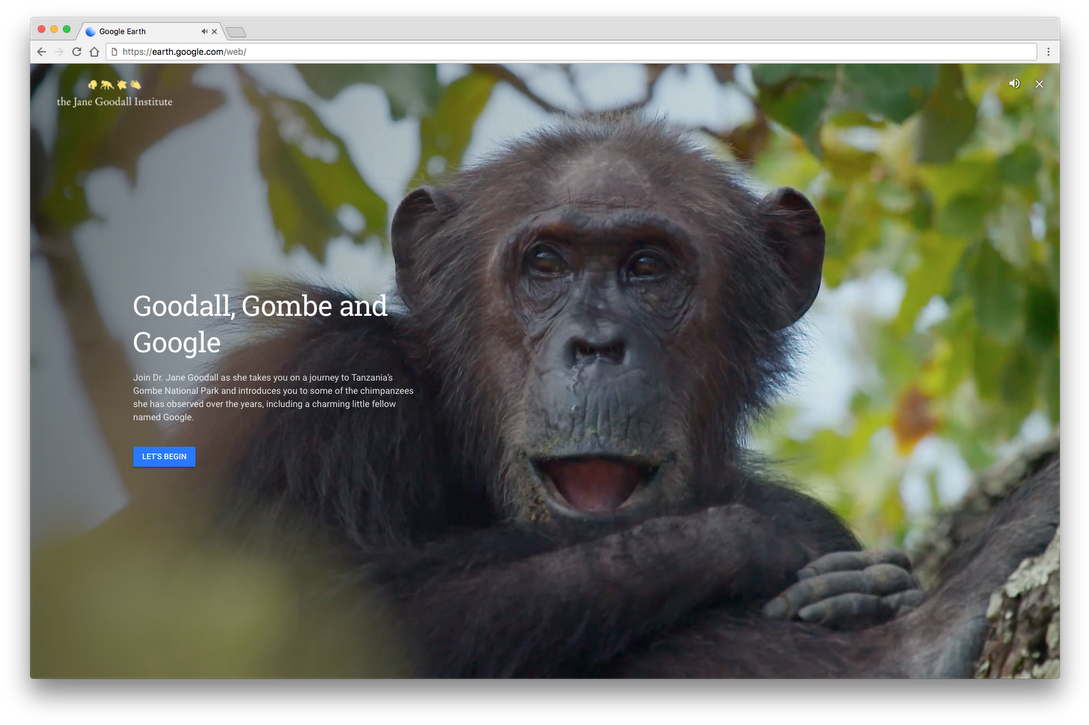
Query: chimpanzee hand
point(850, 588)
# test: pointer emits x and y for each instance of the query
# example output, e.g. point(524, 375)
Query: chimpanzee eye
point(546, 261)
point(647, 265)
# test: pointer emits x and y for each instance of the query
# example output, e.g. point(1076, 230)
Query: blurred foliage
point(942, 175)
point(310, 174)
point(955, 189)
point(137, 597)
point(93, 137)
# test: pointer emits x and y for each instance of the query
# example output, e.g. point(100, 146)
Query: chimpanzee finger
point(879, 580)
point(854, 561)
point(848, 609)
point(810, 591)
point(906, 600)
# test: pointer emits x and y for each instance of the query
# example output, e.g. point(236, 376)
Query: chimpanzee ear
point(418, 214)
point(795, 232)
point(417, 217)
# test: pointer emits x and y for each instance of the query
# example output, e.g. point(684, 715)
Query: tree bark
point(1023, 639)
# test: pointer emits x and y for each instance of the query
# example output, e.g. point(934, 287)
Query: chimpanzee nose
point(587, 350)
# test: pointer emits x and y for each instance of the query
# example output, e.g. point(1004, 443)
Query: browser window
point(490, 347)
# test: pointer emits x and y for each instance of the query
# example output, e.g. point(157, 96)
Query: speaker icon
point(1015, 83)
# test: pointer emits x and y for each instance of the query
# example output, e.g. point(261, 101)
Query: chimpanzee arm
point(511, 601)
point(942, 637)
point(570, 611)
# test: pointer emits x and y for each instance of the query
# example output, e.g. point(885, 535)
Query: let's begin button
point(164, 456)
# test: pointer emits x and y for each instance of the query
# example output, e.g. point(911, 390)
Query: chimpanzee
point(587, 324)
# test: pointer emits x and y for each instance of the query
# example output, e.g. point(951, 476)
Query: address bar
point(477, 52)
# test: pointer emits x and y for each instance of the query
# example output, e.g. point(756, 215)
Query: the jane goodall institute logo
point(114, 92)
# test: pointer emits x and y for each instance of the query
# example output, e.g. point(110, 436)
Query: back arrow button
point(40, 52)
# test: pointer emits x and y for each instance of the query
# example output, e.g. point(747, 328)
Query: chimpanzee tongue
point(596, 485)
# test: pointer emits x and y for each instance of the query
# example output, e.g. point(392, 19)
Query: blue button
point(164, 456)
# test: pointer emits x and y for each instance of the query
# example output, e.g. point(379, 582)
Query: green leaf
point(947, 119)
point(987, 359)
point(997, 291)
point(781, 165)
point(795, 96)
point(860, 402)
point(959, 338)
point(829, 449)
point(968, 177)
point(939, 256)
point(958, 329)
point(963, 216)
point(445, 133)
point(310, 175)
point(1041, 318)
point(895, 196)
point(1017, 381)
point(895, 92)
point(1019, 167)
point(921, 214)
point(1011, 233)
point(412, 88)
point(897, 358)
point(856, 225)
point(841, 156)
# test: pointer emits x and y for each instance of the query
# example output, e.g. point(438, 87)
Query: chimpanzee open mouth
point(594, 484)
